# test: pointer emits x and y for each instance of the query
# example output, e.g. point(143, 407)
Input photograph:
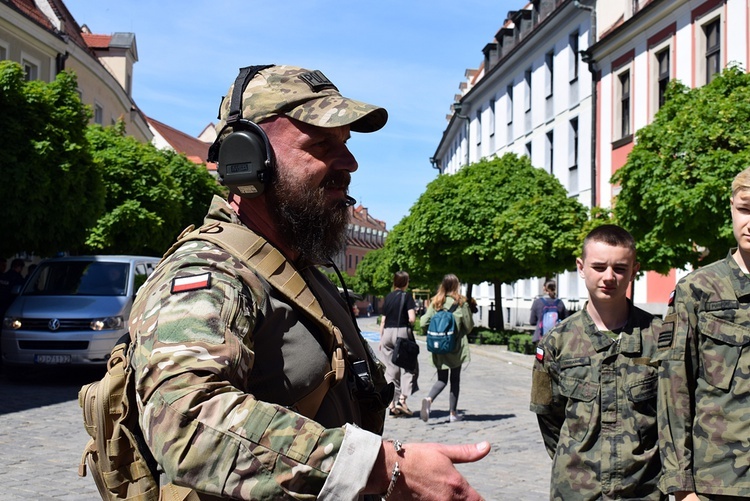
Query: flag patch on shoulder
point(539, 354)
point(191, 283)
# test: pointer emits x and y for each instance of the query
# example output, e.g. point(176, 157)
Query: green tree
point(676, 183)
point(152, 194)
point(52, 191)
point(498, 220)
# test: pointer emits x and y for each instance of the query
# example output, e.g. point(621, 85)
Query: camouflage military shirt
point(704, 385)
point(218, 361)
point(595, 398)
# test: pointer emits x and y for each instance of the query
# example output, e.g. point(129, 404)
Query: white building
point(532, 96)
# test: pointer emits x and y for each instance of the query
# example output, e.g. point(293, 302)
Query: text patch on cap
point(317, 81)
point(191, 283)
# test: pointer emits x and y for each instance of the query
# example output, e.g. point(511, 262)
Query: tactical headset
point(244, 157)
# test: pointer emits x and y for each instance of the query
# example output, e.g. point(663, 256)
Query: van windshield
point(78, 278)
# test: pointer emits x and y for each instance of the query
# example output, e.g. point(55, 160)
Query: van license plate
point(52, 359)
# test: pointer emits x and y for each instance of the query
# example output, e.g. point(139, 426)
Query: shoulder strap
point(259, 255)
point(401, 307)
point(453, 306)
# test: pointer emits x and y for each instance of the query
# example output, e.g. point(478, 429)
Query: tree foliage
point(498, 220)
point(51, 189)
point(152, 194)
point(676, 184)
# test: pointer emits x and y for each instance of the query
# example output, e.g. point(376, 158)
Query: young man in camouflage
point(222, 356)
point(594, 383)
point(704, 379)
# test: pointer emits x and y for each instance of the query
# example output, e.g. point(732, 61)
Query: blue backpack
point(442, 331)
point(550, 316)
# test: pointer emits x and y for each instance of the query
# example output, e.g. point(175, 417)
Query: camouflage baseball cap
point(305, 95)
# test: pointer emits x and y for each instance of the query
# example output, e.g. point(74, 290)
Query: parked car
point(72, 310)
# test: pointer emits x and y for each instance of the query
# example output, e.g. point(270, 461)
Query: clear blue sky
point(408, 56)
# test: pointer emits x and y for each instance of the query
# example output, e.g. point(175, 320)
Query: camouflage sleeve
point(194, 351)
point(677, 378)
point(546, 398)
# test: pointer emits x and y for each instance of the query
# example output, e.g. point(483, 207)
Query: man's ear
point(579, 265)
point(636, 269)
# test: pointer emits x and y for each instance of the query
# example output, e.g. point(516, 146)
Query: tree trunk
point(499, 321)
point(468, 291)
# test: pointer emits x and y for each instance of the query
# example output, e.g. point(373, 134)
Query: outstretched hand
point(428, 471)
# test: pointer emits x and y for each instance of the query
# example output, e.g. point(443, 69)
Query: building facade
point(532, 95)
point(568, 83)
point(641, 47)
point(45, 39)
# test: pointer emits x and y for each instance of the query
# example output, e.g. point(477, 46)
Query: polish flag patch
point(191, 283)
point(539, 354)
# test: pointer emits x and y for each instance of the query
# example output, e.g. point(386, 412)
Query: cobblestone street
point(42, 438)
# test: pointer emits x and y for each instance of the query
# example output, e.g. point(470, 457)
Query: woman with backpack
point(546, 311)
point(448, 364)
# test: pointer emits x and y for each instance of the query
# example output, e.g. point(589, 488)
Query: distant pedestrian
point(543, 304)
point(398, 318)
point(448, 363)
point(594, 383)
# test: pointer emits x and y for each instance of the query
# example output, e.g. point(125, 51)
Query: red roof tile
point(193, 148)
point(97, 41)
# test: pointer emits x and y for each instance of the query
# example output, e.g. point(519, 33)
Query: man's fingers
point(466, 453)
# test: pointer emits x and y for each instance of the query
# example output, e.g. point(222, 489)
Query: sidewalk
point(494, 401)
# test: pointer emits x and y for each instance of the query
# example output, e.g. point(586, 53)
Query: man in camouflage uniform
point(222, 356)
point(704, 379)
point(594, 383)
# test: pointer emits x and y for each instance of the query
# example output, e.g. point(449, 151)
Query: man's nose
point(344, 160)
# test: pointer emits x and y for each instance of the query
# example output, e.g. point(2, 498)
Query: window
point(550, 152)
point(527, 93)
point(479, 126)
point(528, 150)
point(624, 110)
point(573, 45)
point(98, 114)
point(509, 104)
point(3, 51)
point(31, 69)
point(713, 49)
point(549, 73)
point(573, 156)
point(492, 117)
point(662, 78)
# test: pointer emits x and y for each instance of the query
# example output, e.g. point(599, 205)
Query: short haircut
point(17, 262)
point(741, 181)
point(400, 279)
point(610, 234)
point(550, 285)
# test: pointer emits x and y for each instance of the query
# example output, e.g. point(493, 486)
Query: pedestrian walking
point(449, 298)
point(398, 318)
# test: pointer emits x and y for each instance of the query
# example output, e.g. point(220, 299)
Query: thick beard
point(308, 224)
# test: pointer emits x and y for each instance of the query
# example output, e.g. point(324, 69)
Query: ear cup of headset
point(244, 160)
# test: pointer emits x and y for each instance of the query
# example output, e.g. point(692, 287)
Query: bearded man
point(252, 379)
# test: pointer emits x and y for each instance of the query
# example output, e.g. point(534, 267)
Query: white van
point(72, 310)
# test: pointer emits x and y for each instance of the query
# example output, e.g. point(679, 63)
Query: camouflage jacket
point(217, 363)
point(704, 384)
point(595, 398)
